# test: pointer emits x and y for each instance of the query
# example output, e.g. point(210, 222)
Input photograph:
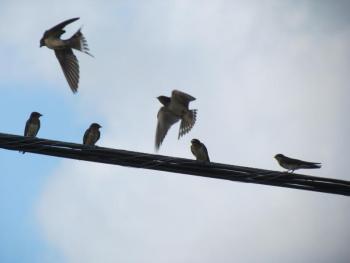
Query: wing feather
point(70, 66)
point(182, 97)
point(187, 122)
point(57, 30)
point(165, 120)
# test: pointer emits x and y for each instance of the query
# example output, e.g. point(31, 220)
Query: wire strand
point(173, 164)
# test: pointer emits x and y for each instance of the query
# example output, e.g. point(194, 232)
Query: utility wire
point(173, 164)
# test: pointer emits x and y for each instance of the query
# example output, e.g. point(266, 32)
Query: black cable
point(173, 164)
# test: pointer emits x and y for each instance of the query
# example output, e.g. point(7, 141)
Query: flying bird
point(32, 125)
point(293, 164)
point(64, 50)
point(92, 134)
point(199, 150)
point(174, 108)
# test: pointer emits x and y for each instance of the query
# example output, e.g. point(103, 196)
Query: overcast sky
point(269, 77)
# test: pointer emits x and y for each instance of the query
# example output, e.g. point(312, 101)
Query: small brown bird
point(32, 125)
point(293, 164)
point(64, 50)
point(199, 150)
point(92, 134)
point(175, 108)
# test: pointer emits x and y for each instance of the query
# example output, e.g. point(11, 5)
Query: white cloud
point(266, 81)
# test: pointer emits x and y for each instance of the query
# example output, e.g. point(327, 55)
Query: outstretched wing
point(70, 66)
point(182, 97)
point(187, 122)
point(57, 30)
point(165, 120)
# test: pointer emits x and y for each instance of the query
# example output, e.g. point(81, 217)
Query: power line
point(173, 164)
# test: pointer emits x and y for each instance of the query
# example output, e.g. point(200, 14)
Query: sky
point(268, 76)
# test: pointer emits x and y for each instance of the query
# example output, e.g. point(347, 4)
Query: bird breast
point(32, 129)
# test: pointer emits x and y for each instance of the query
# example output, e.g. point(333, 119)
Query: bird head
point(195, 141)
point(35, 114)
point(95, 125)
point(164, 100)
point(279, 156)
point(42, 42)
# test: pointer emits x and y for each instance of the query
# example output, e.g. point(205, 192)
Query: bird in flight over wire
point(174, 108)
point(293, 164)
point(199, 150)
point(32, 125)
point(92, 134)
point(64, 50)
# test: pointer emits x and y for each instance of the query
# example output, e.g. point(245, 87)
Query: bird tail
point(312, 166)
point(187, 122)
point(78, 42)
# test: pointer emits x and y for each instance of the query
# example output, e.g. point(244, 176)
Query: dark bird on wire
point(174, 108)
point(92, 134)
point(32, 125)
point(293, 164)
point(199, 150)
point(64, 50)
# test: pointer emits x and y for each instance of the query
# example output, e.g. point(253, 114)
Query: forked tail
point(78, 42)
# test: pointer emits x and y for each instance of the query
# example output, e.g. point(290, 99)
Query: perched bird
point(199, 150)
point(92, 134)
point(293, 164)
point(32, 125)
point(174, 108)
point(63, 50)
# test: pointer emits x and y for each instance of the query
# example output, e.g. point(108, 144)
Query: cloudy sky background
point(269, 77)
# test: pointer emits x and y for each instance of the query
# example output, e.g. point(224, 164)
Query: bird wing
point(165, 120)
point(187, 122)
point(98, 135)
point(305, 164)
point(26, 128)
point(57, 30)
point(192, 150)
point(206, 152)
point(70, 66)
point(301, 164)
point(38, 128)
point(297, 161)
point(182, 97)
point(86, 134)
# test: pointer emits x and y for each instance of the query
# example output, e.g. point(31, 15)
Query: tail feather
point(78, 42)
point(187, 122)
point(312, 166)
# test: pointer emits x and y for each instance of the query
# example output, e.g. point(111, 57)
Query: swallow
point(174, 108)
point(92, 134)
point(64, 50)
point(199, 150)
point(32, 125)
point(293, 164)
